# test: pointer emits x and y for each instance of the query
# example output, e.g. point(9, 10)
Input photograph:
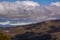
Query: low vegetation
point(48, 30)
point(3, 36)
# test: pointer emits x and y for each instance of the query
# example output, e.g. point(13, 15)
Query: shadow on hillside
point(32, 36)
point(38, 36)
point(54, 29)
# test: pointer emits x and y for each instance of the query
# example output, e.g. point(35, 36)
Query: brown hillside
point(47, 30)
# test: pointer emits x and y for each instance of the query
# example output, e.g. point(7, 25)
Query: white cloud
point(17, 7)
point(56, 4)
point(1, 7)
point(18, 23)
point(52, 18)
point(4, 23)
point(14, 24)
point(53, 10)
point(30, 3)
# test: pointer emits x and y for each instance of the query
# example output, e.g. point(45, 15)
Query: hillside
point(47, 30)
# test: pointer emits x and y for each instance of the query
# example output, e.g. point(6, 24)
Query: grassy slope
point(52, 27)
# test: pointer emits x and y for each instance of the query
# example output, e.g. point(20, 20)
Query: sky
point(45, 1)
point(39, 1)
point(22, 12)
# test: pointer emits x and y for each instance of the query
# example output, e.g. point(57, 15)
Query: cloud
point(56, 4)
point(53, 10)
point(17, 8)
point(30, 3)
point(18, 23)
point(4, 23)
point(28, 11)
point(14, 24)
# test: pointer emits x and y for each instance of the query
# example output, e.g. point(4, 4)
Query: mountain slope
point(47, 30)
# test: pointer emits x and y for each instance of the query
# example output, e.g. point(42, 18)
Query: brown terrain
point(47, 30)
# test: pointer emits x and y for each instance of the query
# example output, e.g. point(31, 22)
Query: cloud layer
point(56, 3)
point(28, 11)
